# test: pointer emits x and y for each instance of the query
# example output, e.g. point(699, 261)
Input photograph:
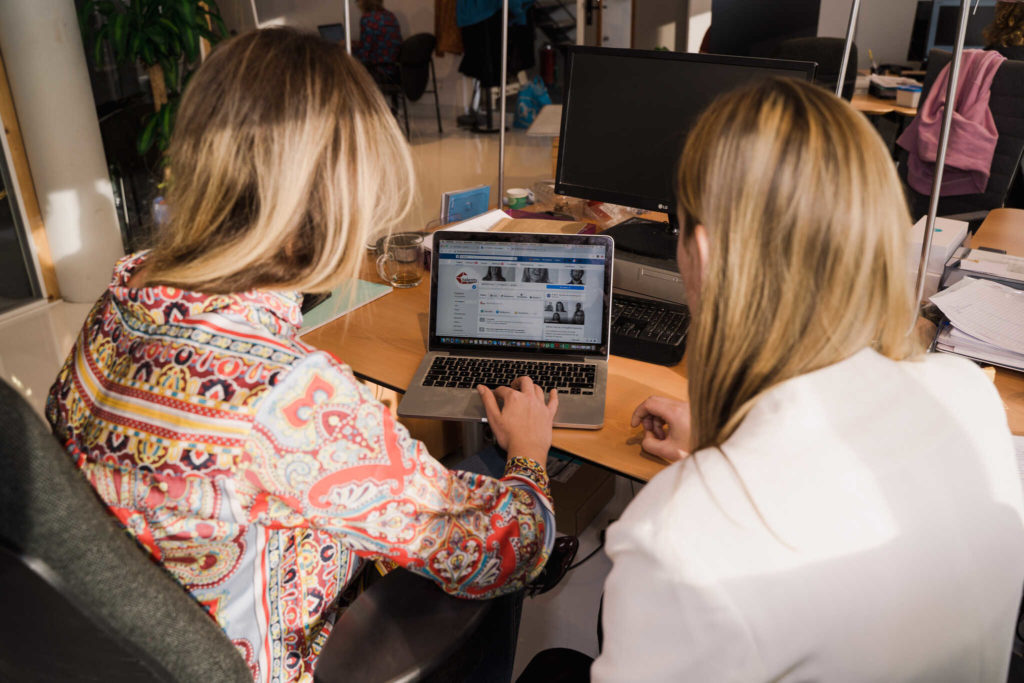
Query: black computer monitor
point(943, 24)
point(332, 32)
point(626, 115)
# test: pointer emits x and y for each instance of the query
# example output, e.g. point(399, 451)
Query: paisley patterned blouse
point(261, 474)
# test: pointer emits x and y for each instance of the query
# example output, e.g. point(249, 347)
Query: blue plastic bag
point(532, 98)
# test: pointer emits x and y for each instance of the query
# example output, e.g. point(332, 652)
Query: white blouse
point(865, 523)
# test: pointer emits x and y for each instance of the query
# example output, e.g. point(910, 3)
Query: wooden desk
point(384, 342)
point(1004, 229)
point(875, 106)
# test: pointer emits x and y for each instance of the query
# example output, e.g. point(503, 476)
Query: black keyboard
point(651, 331)
point(466, 372)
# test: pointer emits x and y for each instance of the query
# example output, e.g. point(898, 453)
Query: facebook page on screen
point(520, 295)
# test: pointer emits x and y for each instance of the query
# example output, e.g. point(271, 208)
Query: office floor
point(35, 341)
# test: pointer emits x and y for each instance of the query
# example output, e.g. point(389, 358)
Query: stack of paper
point(1002, 268)
point(481, 223)
point(986, 322)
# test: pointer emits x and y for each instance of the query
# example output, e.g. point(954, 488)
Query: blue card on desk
point(345, 298)
point(462, 204)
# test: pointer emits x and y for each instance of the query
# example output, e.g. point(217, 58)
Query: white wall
point(883, 27)
point(662, 24)
point(414, 16)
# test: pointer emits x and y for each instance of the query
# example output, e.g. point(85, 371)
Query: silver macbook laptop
point(504, 305)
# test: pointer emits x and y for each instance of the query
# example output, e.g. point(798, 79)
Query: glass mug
point(401, 260)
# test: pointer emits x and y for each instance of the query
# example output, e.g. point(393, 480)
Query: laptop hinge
point(505, 355)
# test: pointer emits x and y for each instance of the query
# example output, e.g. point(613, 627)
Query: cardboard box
point(580, 491)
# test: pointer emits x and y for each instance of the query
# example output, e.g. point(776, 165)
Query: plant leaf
point(169, 25)
point(170, 67)
point(145, 139)
point(135, 46)
point(85, 14)
point(191, 43)
point(166, 121)
point(156, 37)
point(208, 34)
point(97, 48)
point(120, 36)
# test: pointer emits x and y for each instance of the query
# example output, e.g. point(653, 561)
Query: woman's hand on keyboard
point(666, 424)
point(522, 425)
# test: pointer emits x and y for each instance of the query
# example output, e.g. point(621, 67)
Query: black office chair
point(415, 70)
point(82, 602)
point(1007, 106)
point(828, 53)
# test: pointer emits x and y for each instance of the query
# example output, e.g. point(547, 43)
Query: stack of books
point(459, 205)
point(986, 322)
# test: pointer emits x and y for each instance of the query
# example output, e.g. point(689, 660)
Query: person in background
point(1006, 32)
point(255, 468)
point(380, 39)
point(840, 506)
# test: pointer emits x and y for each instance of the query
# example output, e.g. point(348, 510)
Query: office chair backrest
point(81, 601)
point(1007, 106)
point(414, 63)
point(828, 53)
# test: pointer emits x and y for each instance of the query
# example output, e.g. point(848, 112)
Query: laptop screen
point(519, 292)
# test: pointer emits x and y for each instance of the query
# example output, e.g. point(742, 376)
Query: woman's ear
point(700, 239)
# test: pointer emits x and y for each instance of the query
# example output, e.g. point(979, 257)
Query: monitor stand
point(645, 259)
point(642, 237)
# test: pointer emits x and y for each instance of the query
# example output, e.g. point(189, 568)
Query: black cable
point(595, 551)
point(565, 463)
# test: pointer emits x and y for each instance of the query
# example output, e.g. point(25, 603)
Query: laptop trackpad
point(443, 404)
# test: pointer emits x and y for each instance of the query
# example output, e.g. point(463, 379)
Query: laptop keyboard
point(466, 373)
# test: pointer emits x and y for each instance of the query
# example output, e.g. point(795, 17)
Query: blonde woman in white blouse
point(843, 507)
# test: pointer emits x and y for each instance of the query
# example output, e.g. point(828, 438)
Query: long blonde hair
point(807, 228)
point(284, 157)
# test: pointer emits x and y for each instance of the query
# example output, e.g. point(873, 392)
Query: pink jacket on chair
point(972, 138)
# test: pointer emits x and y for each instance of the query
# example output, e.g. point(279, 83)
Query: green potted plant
point(166, 37)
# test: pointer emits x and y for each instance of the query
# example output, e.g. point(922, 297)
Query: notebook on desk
point(504, 305)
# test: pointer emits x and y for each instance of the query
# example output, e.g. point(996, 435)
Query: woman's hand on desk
point(522, 425)
point(666, 424)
